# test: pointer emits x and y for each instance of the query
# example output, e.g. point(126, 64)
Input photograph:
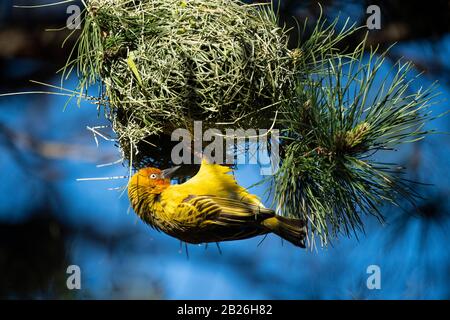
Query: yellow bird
point(209, 207)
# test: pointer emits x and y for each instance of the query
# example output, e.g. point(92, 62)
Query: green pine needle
point(344, 114)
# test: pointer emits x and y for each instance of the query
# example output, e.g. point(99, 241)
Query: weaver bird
point(209, 207)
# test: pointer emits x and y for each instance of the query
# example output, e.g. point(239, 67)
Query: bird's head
point(152, 179)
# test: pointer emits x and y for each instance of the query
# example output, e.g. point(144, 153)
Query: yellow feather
point(210, 207)
point(211, 179)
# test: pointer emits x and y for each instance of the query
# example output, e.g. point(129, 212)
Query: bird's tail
point(290, 229)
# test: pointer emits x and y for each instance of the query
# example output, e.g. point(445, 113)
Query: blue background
point(121, 257)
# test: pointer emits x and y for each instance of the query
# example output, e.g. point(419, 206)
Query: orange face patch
point(152, 178)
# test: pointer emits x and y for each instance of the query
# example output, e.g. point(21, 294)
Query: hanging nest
point(167, 63)
point(163, 64)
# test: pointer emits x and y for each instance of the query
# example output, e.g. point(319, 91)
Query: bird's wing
point(211, 209)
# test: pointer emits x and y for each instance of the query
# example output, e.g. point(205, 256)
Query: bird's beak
point(168, 173)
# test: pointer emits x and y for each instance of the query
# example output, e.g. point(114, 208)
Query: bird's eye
point(153, 176)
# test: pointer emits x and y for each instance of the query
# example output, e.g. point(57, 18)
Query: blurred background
point(49, 221)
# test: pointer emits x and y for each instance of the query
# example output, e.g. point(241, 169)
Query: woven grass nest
point(163, 64)
point(167, 63)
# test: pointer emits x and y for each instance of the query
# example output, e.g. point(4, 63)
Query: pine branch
point(348, 109)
